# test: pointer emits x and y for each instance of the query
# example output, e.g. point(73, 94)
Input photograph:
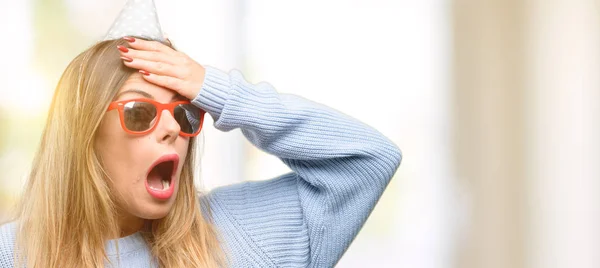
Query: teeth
point(165, 184)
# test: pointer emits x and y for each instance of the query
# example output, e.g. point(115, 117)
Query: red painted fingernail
point(144, 72)
point(123, 49)
point(127, 59)
point(129, 39)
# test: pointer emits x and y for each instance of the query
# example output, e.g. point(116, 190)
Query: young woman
point(112, 182)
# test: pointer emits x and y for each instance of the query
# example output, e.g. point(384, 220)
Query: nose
point(168, 128)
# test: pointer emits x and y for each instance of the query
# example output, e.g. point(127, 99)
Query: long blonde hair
point(68, 212)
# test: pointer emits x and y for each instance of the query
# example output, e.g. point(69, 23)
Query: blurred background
point(495, 105)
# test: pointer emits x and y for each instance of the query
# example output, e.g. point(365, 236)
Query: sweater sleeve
point(340, 165)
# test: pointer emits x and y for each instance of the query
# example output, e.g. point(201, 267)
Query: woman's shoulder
point(250, 194)
point(7, 232)
point(261, 218)
point(251, 202)
point(7, 243)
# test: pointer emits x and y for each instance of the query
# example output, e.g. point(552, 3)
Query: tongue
point(155, 180)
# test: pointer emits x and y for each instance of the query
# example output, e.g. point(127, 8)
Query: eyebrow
point(175, 97)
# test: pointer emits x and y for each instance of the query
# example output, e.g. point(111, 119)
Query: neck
point(129, 224)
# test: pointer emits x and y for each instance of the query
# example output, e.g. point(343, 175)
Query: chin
point(155, 211)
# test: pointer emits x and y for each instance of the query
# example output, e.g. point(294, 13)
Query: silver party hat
point(138, 18)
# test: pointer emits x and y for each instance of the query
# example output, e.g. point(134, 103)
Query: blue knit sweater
point(306, 218)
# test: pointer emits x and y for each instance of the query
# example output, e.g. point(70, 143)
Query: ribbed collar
point(126, 244)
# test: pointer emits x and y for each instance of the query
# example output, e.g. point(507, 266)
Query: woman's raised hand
point(164, 66)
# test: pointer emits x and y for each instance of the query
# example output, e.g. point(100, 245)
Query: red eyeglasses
point(141, 116)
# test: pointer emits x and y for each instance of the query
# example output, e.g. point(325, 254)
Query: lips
point(160, 178)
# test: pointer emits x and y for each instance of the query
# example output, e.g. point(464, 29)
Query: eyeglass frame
point(120, 105)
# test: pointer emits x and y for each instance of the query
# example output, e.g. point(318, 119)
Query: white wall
point(564, 160)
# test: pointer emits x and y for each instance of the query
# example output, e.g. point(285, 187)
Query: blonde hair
point(68, 212)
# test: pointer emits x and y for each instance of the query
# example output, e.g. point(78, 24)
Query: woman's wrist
point(200, 77)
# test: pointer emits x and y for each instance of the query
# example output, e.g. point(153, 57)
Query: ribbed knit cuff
point(214, 92)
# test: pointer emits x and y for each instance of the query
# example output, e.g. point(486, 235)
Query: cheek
point(116, 150)
point(181, 146)
point(107, 138)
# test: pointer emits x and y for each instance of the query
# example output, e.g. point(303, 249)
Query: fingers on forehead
point(142, 44)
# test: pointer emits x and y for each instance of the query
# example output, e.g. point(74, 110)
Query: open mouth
point(160, 179)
